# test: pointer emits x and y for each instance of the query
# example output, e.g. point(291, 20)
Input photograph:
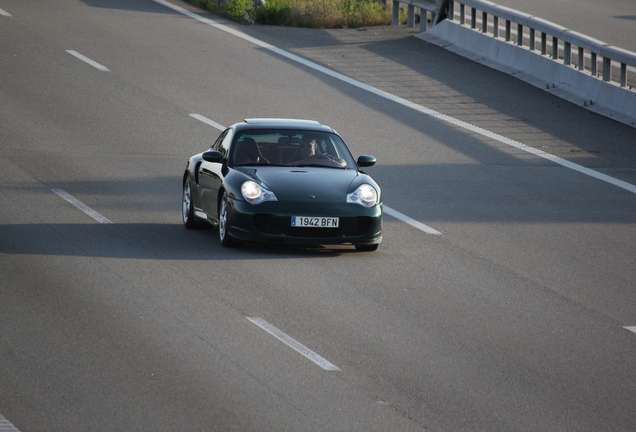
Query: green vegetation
point(302, 13)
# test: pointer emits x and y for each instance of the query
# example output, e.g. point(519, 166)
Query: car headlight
point(365, 195)
point(255, 193)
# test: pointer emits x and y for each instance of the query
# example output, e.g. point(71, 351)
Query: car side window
point(216, 144)
point(224, 145)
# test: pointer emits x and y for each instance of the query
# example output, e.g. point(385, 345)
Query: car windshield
point(290, 148)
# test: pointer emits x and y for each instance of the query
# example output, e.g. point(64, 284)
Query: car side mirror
point(366, 161)
point(212, 156)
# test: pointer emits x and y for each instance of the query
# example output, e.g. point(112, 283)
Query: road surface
point(515, 314)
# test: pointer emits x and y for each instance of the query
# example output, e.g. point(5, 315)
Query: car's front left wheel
point(225, 239)
point(187, 207)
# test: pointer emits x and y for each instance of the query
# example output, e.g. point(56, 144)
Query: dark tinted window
point(294, 148)
point(224, 145)
point(215, 146)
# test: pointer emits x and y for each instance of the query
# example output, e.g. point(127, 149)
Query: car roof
point(282, 123)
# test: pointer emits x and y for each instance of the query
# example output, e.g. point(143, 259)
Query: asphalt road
point(113, 317)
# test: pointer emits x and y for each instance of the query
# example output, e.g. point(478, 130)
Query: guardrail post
point(555, 48)
point(462, 13)
point(532, 39)
point(567, 53)
point(473, 18)
point(607, 69)
point(623, 75)
point(396, 13)
point(495, 28)
point(544, 43)
point(594, 65)
point(581, 59)
point(520, 34)
point(508, 30)
point(410, 15)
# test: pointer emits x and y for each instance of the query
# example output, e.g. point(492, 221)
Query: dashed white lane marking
point(294, 344)
point(80, 205)
point(6, 426)
point(404, 218)
point(208, 121)
point(87, 60)
point(430, 112)
point(7, 14)
point(388, 210)
point(631, 329)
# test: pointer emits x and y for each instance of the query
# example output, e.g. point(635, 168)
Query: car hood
point(307, 183)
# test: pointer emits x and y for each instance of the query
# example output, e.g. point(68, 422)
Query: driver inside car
point(309, 153)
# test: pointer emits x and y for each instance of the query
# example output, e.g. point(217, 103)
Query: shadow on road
point(144, 241)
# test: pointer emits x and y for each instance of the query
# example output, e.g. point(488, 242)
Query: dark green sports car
point(283, 181)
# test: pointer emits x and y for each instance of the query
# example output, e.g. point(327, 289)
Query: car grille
point(308, 232)
point(359, 226)
point(271, 224)
point(268, 224)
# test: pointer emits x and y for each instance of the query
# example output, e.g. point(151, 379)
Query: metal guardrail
point(535, 34)
point(435, 8)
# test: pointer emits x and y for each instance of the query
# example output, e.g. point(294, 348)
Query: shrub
point(273, 12)
point(364, 13)
point(235, 9)
point(304, 13)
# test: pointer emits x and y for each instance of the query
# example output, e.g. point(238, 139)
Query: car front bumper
point(271, 222)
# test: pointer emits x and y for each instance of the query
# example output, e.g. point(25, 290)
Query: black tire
point(225, 239)
point(367, 247)
point(187, 208)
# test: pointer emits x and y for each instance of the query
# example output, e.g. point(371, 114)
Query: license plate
point(315, 222)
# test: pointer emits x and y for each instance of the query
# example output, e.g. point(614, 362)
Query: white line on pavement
point(430, 112)
point(87, 60)
point(631, 329)
point(5, 13)
point(292, 343)
point(6, 426)
point(388, 210)
point(208, 121)
point(80, 205)
point(404, 218)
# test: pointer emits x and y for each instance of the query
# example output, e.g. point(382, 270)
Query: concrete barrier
point(563, 62)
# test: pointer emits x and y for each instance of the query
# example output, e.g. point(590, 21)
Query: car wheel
point(367, 247)
point(225, 239)
point(187, 208)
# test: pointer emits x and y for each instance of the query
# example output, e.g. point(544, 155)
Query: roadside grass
point(318, 14)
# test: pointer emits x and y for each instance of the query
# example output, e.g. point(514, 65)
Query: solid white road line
point(631, 329)
point(388, 210)
point(404, 218)
point(80, 205)
point(292, 343)
point(87, 60)
point(443, 117)
point(7, 14)
point(6, 426)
